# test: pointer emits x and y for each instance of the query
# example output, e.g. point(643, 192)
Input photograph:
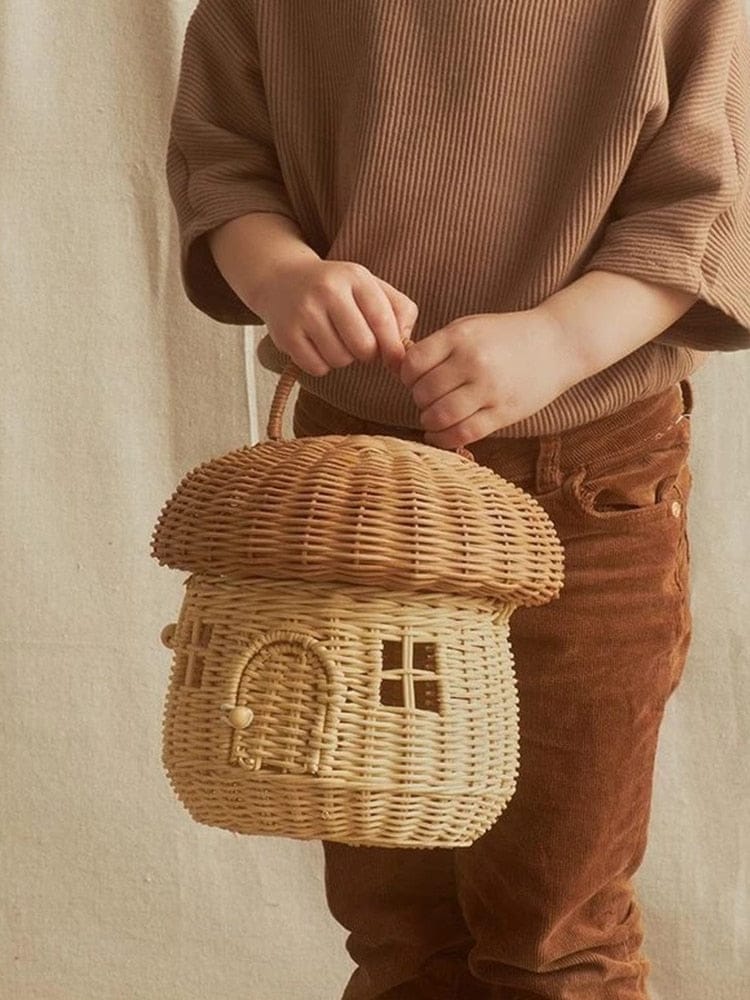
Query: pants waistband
point(540, 459)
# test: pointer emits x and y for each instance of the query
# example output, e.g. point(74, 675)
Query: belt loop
point(548, 473)
point(686, 388)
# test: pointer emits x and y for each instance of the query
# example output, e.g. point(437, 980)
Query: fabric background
point(112, 387)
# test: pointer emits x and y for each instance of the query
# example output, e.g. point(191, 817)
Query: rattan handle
point(284, 386)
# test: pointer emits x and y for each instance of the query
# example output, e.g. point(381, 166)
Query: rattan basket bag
point(342, 666)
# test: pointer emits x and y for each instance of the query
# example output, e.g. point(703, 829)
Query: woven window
point(409, 675)
point(191, 658)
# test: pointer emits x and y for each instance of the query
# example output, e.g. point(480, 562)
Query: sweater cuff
point(719, 320)
point(204, 284)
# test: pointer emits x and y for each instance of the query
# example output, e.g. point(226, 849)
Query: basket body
point(320, 710)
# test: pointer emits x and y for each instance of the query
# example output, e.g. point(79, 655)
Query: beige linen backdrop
point(113, 386)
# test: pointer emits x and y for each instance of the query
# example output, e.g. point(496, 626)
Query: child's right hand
point(326, 313)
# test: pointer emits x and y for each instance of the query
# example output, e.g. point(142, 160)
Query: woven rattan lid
point(361, 509)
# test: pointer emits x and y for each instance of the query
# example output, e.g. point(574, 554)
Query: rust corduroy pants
point(542, 904)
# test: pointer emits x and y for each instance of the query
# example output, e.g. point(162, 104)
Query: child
point(553, 199)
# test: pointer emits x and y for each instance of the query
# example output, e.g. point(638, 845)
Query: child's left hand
point(485, 371)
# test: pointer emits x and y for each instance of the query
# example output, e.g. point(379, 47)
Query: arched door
point(289, 684)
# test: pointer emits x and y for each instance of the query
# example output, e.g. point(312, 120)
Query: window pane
point(392, 691)
point(426, 695)
point(391, 654)
point(424, 656)
point(200, 637)
point(180, 667)
point(196, 670)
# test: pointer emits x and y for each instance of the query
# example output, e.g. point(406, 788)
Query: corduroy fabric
point(478, 156)
point(543, 905)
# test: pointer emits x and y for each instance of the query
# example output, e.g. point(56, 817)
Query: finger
point(437, 383)
point(351, 327)
point(473, 428)
point(378, 311)
point(451, 408)
point(406, 312)
point(328, 342)
point(306, 355)
point(424, 355)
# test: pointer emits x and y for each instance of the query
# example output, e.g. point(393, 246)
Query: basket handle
point(284, 386)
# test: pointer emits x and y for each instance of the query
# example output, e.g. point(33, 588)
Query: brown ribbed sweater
point(478, 155)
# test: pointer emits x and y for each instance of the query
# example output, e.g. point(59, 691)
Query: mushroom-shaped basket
point(342, 666)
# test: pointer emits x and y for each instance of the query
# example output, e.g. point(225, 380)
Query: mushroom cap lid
point(361, 509)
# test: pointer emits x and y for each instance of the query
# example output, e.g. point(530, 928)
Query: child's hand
point(485, 371)
point(324, 314)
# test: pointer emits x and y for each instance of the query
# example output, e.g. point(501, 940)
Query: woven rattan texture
point(362, 509)
point(342, 666)
point(323, 757)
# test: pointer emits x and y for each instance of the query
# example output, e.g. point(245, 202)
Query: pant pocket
point(636, 485)
point(684, 486)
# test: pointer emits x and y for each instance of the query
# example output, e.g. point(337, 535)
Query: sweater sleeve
point(221, 161)
point(681, 214)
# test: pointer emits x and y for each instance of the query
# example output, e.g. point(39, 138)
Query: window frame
point(408, 673)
